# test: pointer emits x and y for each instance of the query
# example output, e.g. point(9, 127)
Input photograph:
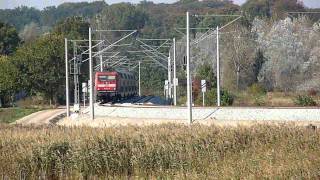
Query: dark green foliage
point(41, 66)
point(123, 16)
point(38, 67)
point(152, 79)
point(257, 90)
point(20, 16)
point(226, 98)
point(52, 15)
point(9, 76)
point(9, 39)
point(73, 28)
point(206, 72)
point(211, 98)
point(304, 100)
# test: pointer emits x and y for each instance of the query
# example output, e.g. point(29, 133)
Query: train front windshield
point(104, 78)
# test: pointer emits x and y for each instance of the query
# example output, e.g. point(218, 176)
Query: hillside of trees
point(268, 46)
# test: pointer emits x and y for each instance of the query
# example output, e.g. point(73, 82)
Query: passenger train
point(114, 85)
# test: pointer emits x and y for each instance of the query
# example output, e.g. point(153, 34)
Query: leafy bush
point(211, 98)
point(304, 100)
point(182, 100)
point(259, 101)
point(226, 98)
point(257, 89)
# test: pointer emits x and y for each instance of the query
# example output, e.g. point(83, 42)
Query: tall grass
point(166, 151)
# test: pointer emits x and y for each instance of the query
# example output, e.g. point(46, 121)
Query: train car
point(114, 85)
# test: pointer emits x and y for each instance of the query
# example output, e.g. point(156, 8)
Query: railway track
point(138, 100)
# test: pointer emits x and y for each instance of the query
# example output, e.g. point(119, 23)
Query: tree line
point(32, 52)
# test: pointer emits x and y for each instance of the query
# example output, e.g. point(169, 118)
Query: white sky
point(40, 4)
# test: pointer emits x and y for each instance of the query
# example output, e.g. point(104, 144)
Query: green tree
point(20, 16)
point(73, 28)
point(8, 79)
point(269, 8)
point(206, 72)
point(52, 15)
point(122, 16)
point(9, 39)
point(41, 66)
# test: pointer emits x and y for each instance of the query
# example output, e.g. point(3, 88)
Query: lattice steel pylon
point(75, 71)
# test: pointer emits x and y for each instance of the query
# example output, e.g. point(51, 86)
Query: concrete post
point(67, 76)
point(174, 73)
point(91, 76)
point(218, 70)
point(189, 80)
point(139, 78)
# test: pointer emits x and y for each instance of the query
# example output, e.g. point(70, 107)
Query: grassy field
point(166, 151)
point(8, 115)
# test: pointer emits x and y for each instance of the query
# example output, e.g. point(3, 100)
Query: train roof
point(114, 72)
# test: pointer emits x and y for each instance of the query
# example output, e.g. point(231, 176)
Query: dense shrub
point(304, 100)
point(259, 101)
point(211, 98)
point(256, 90)
point(226, 98)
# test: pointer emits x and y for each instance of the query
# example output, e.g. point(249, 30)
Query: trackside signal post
point(203, 90)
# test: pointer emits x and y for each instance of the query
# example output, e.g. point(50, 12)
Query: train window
point(111, 77)
point(103, 78)
point(106, 78)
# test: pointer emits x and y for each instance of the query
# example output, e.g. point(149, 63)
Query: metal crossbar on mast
point(205, 35)
point(151, 52)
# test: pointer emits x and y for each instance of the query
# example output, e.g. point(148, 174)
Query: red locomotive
point(114, 85)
